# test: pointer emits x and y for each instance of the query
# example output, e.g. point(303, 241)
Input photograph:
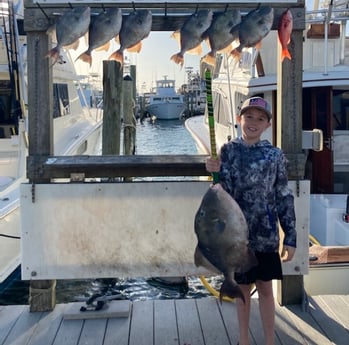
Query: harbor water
point(159, 137)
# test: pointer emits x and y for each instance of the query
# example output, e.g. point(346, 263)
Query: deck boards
point(179, 322)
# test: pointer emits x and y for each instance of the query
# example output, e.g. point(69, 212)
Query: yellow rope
point(314, 240)
point(213, 291)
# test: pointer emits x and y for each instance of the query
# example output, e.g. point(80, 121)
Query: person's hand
point(213, 164)
point(287, 253)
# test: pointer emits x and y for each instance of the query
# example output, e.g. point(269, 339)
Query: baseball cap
point(256, 102)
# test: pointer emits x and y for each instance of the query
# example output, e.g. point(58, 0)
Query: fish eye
point(202, 213)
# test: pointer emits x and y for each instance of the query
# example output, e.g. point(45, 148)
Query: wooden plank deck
point(179, 322)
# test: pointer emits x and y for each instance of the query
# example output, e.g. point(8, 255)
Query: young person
point(254, 173)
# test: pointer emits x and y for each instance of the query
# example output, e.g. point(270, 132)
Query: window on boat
point(10, 110)
point(157, 98)
point(221, 108)
point(340, 115)
point(60, 100)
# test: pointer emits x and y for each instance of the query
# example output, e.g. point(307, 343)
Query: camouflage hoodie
point(256, 177)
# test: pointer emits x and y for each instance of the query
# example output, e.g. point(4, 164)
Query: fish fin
point(178, 59)
point(196, 50)
point(85, 57)
point(135, 48)
point(117, 56)
point(117, 39)
point(207, 40)
point(236, 54)
point(54, 54)
point(285, 54)
point(230, 289)
point(200, 260)
point(176, 35)
point(104, 47)
point(209, 59)
point(227, 49)
point(258, 45)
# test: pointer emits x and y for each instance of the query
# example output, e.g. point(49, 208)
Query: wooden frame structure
point(43, 167)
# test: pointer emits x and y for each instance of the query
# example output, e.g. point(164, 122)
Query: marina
point(201, 321)
point(120, 216)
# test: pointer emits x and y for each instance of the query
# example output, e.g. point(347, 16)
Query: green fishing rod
point(208, 80)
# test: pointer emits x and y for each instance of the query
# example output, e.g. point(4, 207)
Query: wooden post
point(112, 107)
point(129, 118)
point(42, 293)
point(289, 139)
point(133, 74)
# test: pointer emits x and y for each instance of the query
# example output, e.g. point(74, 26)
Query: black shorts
point(268, 268)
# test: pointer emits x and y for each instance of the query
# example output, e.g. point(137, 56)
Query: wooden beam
point(289, 139)
point(40, 116)
point(116, 166)
point(166, 17)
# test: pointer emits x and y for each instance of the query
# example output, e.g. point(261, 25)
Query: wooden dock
point(178, 322)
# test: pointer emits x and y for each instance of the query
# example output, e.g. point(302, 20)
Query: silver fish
point(191, 34)
point(72, 25)
point(103, 27)
point(253, 28)
point(223, 31)
point(135, 27)
point(222, 234)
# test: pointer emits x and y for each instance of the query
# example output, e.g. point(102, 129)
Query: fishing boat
point(325, 108)
point(194, 92)
point(77, 129)
point(166, 103)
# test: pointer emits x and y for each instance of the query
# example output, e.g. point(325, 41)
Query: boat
point(325, 93)
point(77, 129)
point(194, 92)
point(165, 103)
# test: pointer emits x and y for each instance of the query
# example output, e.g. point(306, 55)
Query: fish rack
point(43, 167)
point(167, 16)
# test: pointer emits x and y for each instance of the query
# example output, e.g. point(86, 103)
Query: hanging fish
point(72, 25)
point(135, 27)
point(191, 33)
point(103, 28)
point(284, 32)
point(223, 30)
point(253, 28)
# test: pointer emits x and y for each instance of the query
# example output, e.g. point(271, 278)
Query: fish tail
point(53, 54)
point(117, 56)
point(235, 54)
point(231, 289)
point(209, 59)
point(178, 59)
point(285, 54)
point(86, 58)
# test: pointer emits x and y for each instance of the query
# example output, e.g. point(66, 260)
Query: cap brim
point(257, 107)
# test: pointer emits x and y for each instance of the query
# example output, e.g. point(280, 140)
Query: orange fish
point(284, 33)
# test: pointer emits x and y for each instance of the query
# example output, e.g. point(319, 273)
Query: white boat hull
point(10, 242)
point(166, 110)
